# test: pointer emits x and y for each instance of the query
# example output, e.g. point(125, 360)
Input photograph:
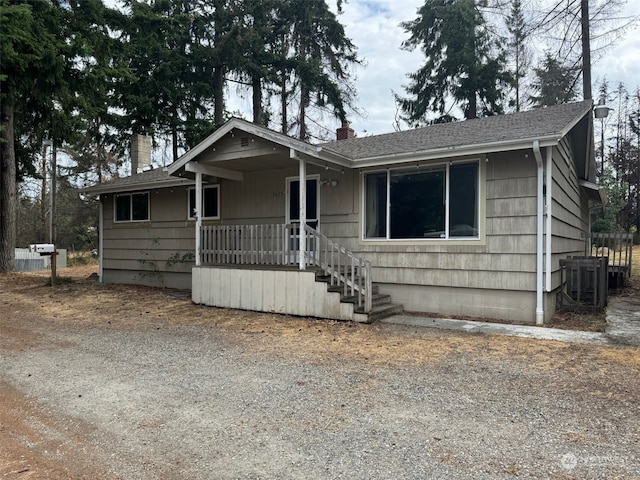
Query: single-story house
point(457, 219)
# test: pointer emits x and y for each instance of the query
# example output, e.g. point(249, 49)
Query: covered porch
point(258, 264)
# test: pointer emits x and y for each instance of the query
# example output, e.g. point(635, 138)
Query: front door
point(293, 209)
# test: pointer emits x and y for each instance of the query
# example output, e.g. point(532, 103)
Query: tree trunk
point(303, 112)
point(218, 94)
point(586, 50)
point(8, 190)
point(258, 113)
point(283, 104)
point(174, 141)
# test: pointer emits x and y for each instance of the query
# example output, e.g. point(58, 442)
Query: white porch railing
point(343, 267)
point(278, 244)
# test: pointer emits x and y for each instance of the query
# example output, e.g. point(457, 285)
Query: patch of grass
point(78, 259)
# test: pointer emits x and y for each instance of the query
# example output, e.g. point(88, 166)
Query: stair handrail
point(341, 265)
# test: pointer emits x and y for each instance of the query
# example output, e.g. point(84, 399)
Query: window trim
point(480, 205)
point(130, 195)
point(190, 215)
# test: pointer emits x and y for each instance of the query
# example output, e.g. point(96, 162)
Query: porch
point(288, 269)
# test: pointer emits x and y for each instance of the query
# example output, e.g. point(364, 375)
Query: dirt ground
point(35, 444)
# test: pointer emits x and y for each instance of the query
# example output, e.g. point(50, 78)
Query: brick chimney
point(345, 132)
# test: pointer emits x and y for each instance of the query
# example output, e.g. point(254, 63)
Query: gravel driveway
point(133, 392)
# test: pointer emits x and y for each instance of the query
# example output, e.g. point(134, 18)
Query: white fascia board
point(202, 146)
point(452, 152)
point(260, 132)
point(577, 119)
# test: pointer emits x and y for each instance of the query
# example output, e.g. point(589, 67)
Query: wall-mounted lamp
point(329, 183)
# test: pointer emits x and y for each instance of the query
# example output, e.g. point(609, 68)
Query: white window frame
point(130, 195)
point(190, 214)
point(446, 238)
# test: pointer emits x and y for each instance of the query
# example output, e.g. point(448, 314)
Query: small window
point(132, 207)
point(210, 203)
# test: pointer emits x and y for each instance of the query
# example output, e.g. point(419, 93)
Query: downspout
point(101, 241)
point(198, 218)
point(539, 234)
point(549, 199)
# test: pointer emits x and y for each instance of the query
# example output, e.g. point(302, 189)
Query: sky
point(373, 26)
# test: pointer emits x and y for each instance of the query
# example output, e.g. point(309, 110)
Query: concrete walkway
point(525, 331)
point(623, 321)
point(623, 326)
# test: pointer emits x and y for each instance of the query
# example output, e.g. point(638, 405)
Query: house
point(457, 219)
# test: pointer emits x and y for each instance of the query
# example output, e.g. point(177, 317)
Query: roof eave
point(453, 152)
point(594, 191)
point(107, 188)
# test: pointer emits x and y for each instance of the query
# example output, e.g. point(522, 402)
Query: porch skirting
point(286, 291)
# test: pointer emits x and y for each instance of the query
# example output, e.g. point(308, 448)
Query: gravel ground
point(212, 394)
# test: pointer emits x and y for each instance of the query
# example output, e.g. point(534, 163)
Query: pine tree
point(318, 57)
point(518, 48)
point(463, 62)
point(554, 82)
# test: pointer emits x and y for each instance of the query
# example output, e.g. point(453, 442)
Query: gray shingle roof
point(157, 177)
point(533, 124)
point(497, 131)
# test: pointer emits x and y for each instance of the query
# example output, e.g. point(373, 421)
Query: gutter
point(454, 151)
point(539, 234)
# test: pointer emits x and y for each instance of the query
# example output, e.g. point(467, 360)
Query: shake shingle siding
point(137, 252)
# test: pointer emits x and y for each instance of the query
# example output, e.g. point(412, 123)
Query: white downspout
point(101, 241)
point(539, 234)
point(303, 214)
point(549, 198)
point(198, 218)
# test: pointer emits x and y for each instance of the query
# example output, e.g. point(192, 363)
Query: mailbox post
point(47, 249)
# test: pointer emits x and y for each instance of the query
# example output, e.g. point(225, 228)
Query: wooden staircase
point(382, 307)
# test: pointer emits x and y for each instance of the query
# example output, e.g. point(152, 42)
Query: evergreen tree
point(518, 48)
point(464, 62)
point(29, 42)
point(554, 82)
point(318, 56)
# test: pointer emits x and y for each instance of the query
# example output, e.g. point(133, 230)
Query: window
point(132, 207)
point(210, 203)
point(406, 204)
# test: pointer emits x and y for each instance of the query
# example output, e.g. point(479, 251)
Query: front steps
point(382, 307)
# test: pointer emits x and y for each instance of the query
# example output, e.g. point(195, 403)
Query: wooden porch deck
point(263, 268)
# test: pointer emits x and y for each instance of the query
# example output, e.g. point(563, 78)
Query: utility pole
point(586, 51)
point(52, 217)
point(43, 193)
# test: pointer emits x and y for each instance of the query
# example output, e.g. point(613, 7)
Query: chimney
point(140, 153)
point(345, 132)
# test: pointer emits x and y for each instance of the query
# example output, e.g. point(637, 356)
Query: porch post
point(303, 214)
point(198, 218)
